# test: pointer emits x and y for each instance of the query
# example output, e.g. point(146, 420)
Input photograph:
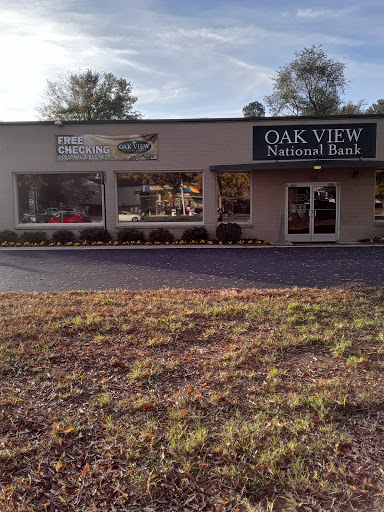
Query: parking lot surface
point(46, 270)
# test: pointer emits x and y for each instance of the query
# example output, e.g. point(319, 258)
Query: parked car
point(69, 218)
point(128, 216)
point(39, 216)
point(53, 211)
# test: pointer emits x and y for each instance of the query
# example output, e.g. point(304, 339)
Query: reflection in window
point(59, 198)
point(233, 196)
point(379, 196)
point(160, 197)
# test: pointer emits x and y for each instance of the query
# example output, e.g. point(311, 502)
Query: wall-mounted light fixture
point(58, 123)
point(356, 174)
point(317, 167)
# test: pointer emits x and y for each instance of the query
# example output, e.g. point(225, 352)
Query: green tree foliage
point(254, 109)
point(380, 184)
point(231, 186)
point(311, 85)
point(351, 109)
point(88, 96)
point(376, 108)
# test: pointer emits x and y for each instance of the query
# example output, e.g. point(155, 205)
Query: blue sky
point(185, 59)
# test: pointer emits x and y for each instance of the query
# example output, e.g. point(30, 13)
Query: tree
point(311, 85)
point(254, 109)
point(350, 109)
point(88, 96)
point(376, 108)
point(231, 186)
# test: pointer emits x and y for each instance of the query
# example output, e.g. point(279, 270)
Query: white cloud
point(219, 57)
point(318, 13)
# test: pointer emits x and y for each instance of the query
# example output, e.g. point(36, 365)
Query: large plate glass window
point(379, 196)
point(59, 198)
point(160, 197)
point(233, 196)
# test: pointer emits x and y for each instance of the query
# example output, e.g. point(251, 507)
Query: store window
point(160, 197)
point(379, 196)
point(233, 196)
point(59, 198)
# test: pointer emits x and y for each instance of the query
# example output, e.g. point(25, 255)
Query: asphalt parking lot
point(48, 269)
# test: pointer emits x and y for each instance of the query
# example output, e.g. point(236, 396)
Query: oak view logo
point(132, 147)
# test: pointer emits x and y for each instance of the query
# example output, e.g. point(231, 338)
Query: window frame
point(58, 225)
point(244, 223)
point(156, 223)
point(377, 219)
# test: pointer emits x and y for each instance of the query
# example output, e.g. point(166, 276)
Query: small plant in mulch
point(63, 236)
point(34, 237)
point(228, 232)
point(95, 235)
point(161, 236)
point(130, 235)
point(375, 240)
point(195, 234)
point(8, 236)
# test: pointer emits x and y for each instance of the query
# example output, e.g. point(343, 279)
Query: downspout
point(104, 201)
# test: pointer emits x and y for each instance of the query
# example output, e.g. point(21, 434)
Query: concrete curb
point(193, 246)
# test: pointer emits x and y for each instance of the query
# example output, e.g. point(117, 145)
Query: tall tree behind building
point(376, 108)
point(88, 96)
point(254, 109)
point(311, 85)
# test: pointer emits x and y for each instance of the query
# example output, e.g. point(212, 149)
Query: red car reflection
point(69, 218)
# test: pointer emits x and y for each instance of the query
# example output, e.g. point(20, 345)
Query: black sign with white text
point(308, 142)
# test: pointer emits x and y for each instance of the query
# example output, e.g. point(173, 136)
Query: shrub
point(34, 237)
point(196, 233)
point(63, 236)
point(95, 235)
point(161, 235)
point(130, 235)
point(8, 236)
point(228, 232)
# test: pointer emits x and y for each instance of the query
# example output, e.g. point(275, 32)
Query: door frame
point(311, 236)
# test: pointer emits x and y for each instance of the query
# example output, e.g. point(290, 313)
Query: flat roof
point(201, 120)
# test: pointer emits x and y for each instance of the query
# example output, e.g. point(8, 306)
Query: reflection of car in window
point(53, 211)
point(127, 216)
point(69, 218)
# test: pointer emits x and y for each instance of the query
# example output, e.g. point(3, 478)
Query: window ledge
point(156, 223)
point(56, 225)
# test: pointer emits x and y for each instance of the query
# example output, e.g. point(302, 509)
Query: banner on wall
point(142, 146)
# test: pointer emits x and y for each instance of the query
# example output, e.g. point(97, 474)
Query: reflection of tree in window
point(233, 193)
point(379, 196)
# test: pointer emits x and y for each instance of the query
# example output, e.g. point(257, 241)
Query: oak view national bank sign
point(307, 142)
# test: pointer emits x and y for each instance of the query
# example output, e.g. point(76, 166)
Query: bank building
point(285, 179)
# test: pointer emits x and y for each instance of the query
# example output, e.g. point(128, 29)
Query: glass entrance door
point(312, 212)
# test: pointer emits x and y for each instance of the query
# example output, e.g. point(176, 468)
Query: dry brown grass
point(175, 400)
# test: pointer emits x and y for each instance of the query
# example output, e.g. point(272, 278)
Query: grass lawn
point(192, 401)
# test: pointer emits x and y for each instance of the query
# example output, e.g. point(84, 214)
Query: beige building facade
point(282, 179)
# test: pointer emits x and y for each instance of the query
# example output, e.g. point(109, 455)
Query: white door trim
point(311, 236)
